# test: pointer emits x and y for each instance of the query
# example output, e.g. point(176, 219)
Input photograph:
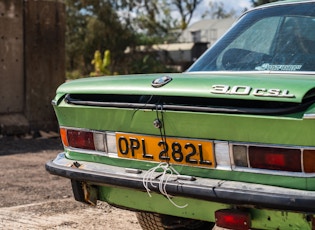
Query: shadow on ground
point(15, 145)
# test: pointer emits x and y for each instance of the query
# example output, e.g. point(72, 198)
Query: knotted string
point(167, 173)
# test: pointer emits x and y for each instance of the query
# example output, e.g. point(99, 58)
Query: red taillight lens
point(233, 219)
point(275, 158)
point(80, 139)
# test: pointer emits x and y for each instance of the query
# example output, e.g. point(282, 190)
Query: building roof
point(210, 30)
point(166, 47)
point(211, 24)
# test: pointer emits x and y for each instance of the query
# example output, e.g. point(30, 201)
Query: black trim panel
point(218, 107)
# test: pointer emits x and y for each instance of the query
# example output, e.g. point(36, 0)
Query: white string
point(167, 173)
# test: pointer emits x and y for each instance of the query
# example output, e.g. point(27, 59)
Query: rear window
point(276, 39)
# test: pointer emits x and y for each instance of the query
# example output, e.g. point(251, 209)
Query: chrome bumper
point(229, 192)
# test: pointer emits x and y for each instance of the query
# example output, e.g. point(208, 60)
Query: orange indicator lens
point(309, 161)
point(63, 135)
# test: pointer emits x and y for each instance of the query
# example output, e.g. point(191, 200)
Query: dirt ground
point(31, 198)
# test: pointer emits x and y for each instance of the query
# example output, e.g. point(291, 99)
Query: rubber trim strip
point(232, 110)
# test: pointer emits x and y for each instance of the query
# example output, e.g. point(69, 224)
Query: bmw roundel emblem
point(161, 81)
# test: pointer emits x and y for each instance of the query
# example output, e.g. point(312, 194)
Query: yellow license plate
point(174, 150)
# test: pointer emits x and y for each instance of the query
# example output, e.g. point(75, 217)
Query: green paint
point(282, 130)
point(288, 130)
point(199, 209)
point(193, 85)
point(291, 130)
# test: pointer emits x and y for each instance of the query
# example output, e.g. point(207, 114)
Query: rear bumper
point(228, 192)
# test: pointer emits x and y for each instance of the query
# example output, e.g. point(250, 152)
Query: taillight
point(275, 158)
point(80, 139)
point(301, 159)
point(83, 139)
point(232, 219)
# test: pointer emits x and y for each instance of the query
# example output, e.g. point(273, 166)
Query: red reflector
point(232, 219)
point(275, 158)
point(80, 139)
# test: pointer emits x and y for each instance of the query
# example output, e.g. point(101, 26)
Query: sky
point(237, 5)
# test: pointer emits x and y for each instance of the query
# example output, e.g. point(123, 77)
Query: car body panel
point(123, 189)
point(292, 130)
point(195, 85)
point(234, 132)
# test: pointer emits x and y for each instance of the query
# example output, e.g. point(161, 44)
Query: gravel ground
point(31, 198)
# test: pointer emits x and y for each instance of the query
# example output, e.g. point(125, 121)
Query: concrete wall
point(32, 63)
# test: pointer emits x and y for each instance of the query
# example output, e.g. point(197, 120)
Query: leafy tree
point(148, 63)
point(186, 10)
point(217, 11)
point(116, 24)
point(163, 19)
point(107, 32)
point(75, 35)
point(101, 30)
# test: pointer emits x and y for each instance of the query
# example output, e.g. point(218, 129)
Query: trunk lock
point(158, 123)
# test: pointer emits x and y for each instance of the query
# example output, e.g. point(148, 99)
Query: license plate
point(191, 152)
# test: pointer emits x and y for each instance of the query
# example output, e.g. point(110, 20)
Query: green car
point(230, 142)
